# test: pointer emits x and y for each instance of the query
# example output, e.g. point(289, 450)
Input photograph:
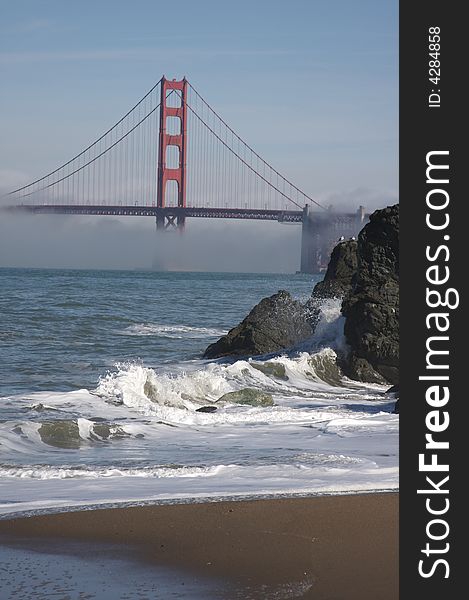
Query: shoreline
point(177, 500)
point(331, 547)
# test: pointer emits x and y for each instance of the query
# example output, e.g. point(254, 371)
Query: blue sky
point(312, 85)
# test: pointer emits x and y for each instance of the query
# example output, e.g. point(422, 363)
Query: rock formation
point(371, 307)
point(276, 323)
point(340, 271)
point(366, 274)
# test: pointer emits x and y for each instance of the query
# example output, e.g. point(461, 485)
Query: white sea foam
point(172, 331)
point(32, 492)
point(329, 331)
point(175, 398)
point(48, 472)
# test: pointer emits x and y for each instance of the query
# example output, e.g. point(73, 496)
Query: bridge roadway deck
point(288, 216)
point(283, 216)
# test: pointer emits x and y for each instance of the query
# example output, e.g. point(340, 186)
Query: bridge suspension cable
point(120, 167)
point(117, 168)
point(252, 151)
point(91, 161)
point(80, 154)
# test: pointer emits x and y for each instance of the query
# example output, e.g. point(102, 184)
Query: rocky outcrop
point(276, 323)
point(371, 307)
point(365, 273)
point(341, 269)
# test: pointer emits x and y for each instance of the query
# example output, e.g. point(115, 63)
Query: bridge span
point(173, 157)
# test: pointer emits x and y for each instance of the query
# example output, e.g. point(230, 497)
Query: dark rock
point(394, 390)
point(60, 434)
point(340, 271)
point(276, 323)
point(206, 409)
point(271, 369)
point(371, 307)
point(249, 396)
point(107, 431)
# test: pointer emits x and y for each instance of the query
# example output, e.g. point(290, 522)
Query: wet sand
point(324, 548)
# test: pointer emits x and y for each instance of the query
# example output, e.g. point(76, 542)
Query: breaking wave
point(311, 366)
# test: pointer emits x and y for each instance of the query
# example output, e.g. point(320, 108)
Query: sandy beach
point(326, 548)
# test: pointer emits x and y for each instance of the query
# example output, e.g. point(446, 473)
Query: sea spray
point(329, 330)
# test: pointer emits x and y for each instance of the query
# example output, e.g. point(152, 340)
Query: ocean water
point(101, 377)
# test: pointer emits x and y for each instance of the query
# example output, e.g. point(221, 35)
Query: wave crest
point(172, 331)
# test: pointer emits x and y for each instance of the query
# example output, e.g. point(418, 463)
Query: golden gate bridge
point(173, 157)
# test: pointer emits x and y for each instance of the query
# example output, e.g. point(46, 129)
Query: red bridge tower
point(176, 89)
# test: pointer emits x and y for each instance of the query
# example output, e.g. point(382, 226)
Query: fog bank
point(57, 241)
